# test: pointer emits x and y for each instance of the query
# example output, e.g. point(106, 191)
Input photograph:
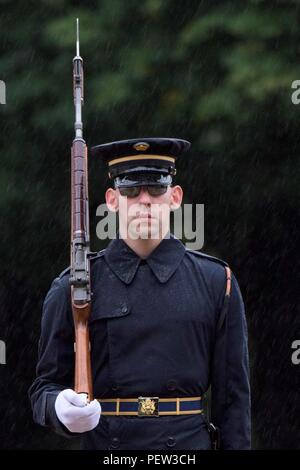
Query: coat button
point(124, 308)
point(171, 442)
point(115, 443)
point(172, 385)
point(115, 387)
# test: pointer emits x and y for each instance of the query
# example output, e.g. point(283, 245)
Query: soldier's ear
point(112, 200)
point(176, 197)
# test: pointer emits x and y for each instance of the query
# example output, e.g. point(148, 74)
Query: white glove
point(75, 413)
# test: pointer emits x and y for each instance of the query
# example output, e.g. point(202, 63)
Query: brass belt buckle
point(148, 406)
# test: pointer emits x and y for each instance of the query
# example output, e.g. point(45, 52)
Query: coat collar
point(163, 260)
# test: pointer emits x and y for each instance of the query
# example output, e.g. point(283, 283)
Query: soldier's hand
point(75, 413)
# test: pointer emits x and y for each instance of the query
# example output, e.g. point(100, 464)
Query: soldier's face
point(144, 216)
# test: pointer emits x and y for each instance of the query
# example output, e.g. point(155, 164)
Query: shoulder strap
point(205, 255)
point(225, 306)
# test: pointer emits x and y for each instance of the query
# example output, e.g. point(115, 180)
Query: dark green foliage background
point(217, 73)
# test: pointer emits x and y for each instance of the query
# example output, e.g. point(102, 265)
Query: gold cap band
point(140, 157)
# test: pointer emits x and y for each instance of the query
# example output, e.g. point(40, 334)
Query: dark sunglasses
point(134, 191)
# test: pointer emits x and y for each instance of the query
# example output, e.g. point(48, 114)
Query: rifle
point(80, 238)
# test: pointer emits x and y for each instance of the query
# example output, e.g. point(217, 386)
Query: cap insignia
point(141, 146)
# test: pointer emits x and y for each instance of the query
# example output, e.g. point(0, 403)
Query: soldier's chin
point(143, 229)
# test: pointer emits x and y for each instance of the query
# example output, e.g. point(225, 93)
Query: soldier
point(166, 324)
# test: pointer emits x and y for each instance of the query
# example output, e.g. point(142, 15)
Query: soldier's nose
point(144, 196)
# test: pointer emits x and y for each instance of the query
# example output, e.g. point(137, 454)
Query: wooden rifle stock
point(83, 369)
